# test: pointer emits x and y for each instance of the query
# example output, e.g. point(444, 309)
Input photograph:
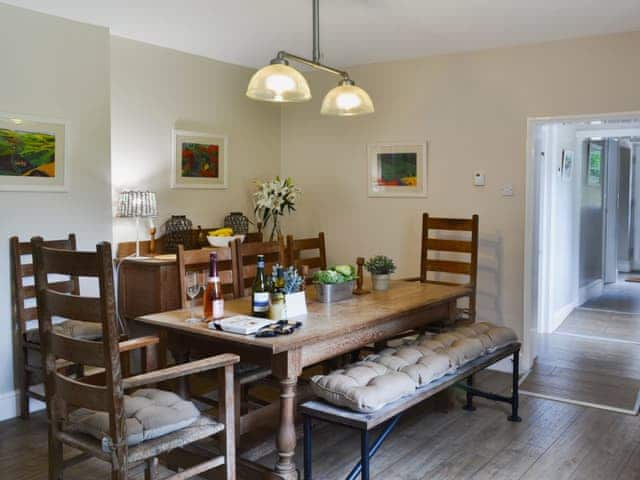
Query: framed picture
point(567, 165)
point(594, 165)
point(199, 160)
point(397, 169)
point(34, 154)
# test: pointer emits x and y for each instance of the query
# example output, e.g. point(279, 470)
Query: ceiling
point(250, 32)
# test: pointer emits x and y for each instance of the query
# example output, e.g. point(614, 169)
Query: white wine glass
point(193, 289)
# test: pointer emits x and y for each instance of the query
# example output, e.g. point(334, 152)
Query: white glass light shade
point(346, 100)
point(278, 83)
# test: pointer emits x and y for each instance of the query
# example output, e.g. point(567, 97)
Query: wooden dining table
point(327, 331)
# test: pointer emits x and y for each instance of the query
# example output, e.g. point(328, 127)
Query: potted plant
point(381, 267)
point(335, 284)
point(294, 296)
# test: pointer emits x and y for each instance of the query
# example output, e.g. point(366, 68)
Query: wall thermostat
point(479, 179)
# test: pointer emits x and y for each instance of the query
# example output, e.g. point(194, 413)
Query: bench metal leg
point(364, 454)
point(374, 447)
point(515, 386)
point(469, 405)
point(307, 446)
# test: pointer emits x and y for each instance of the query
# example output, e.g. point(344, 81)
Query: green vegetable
point(347, 271)
point(337, 274)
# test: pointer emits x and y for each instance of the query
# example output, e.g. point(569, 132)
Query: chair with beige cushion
point(117, 420)
point(26, 316)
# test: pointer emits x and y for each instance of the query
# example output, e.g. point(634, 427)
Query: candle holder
point(360, 280)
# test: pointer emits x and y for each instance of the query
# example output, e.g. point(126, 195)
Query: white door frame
point(531, 197)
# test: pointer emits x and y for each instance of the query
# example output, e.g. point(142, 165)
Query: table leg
point(286, 439)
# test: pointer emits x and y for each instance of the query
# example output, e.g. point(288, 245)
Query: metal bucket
point(334, 292)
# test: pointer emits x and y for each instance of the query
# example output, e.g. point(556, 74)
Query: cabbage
point(328, 276)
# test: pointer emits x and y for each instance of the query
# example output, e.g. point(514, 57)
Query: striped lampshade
point(137, 204)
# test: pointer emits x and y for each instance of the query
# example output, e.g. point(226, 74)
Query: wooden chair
point(25, 313)
point(64, 392)
point(296, 250)
point(465, 251)
point(198, 260)
point(274, 252)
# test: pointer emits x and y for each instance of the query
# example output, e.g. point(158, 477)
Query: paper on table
point(241, 324)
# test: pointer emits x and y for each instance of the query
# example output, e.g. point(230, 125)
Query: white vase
point(380, 281)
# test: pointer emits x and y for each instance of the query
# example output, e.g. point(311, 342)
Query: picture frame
point(397, 169)
point(566, 168)
point(34, 154)
point(199, 160)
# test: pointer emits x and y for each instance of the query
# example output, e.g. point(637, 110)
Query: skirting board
point(560, 315)
point(10, 405)
point(594, 289)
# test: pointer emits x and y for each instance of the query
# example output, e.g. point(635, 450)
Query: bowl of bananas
point(222, 237)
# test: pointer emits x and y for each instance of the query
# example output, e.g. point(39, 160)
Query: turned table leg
point(286, 439)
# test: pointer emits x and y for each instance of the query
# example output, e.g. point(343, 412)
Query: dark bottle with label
point(260, 292)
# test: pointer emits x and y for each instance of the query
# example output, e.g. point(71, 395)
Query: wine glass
point(193, 289)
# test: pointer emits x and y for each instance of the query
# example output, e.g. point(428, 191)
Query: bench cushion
point(149, 413)
point(392, 373)
point(70, 328)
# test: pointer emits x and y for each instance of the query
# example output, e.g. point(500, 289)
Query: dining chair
point(99, 419)
point(450, 250)
point(247, 259)
point(25, 313)
point(307, 252)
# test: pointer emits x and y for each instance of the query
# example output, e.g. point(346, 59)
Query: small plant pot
point(380, 282)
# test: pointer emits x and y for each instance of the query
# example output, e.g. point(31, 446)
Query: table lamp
point(137, 204)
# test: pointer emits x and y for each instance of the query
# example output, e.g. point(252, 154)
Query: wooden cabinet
point(147, 286)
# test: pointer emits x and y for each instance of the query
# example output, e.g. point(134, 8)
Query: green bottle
point(260, 292)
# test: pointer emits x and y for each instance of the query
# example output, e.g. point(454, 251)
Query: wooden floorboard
point(554, 441)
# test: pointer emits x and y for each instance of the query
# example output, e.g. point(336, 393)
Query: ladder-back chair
point(452, 252)
point(299, 249)
point(99, 419)
point(274, 252)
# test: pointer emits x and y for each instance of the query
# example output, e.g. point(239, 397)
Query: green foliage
point(380, 265)
point(337, 274)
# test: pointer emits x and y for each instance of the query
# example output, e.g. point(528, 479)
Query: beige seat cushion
point(149, 413)
point(397, 371)
point(71, 328)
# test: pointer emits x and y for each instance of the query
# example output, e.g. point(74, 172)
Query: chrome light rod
point(283, 56)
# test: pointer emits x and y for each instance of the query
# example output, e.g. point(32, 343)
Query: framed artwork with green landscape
point(397, 170)
point(33, 154)
point(199, 160)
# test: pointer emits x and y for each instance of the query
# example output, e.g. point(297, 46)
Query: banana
point(221, 232)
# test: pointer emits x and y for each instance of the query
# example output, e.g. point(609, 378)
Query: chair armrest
point(136, 343)
point(181, 370)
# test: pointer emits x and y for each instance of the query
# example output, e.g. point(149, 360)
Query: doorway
point(582, 291)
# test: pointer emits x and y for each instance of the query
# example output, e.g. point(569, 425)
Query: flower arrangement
point(292, 280)
point(380, 265)
point(272, 200)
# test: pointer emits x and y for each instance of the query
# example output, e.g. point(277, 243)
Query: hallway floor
point(622, 297)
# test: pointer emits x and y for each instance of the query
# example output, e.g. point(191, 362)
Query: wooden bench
point(365, 422)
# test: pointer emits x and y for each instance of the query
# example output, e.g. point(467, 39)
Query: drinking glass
point(193, 289)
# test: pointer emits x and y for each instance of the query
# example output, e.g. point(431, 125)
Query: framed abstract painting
point(34, 154)
point(397, 169)
point(199, 160)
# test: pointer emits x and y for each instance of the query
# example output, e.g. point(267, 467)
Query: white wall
point(472, 109)
point(154, 90)
point(54, 68)
point(635, 221)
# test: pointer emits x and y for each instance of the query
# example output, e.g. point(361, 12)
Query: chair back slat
point(81, 394)
point(74, 307)
point(437, 251)
point(21, 271)
point(65, 262)
point(300, 253)
point(60, 389)
point(247, 253)
point(82, 352)
point(198, 260)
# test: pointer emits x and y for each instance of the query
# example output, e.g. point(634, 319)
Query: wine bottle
point(278, 307)
point(260, 292)
point(213, 300)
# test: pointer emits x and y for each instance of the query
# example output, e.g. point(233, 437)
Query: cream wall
point(154, 90)
point(472, 109)
point(54, 68)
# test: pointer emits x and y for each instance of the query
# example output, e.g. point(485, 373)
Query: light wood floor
point(620, 297)
point(623, 327)
point(554, 441)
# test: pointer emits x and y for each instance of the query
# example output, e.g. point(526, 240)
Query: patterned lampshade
point(137, 204)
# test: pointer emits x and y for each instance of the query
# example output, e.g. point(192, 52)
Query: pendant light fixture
point(279, 82)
